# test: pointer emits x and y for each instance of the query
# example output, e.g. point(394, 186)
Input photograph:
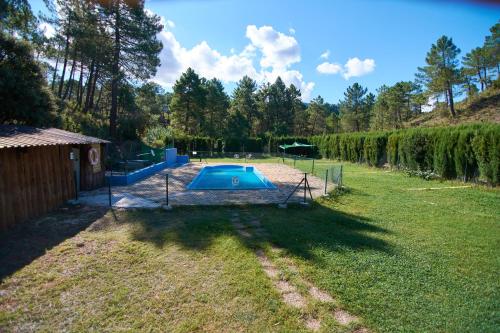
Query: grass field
point(398, 256)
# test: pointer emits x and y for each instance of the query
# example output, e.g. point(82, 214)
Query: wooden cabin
point(40, 169)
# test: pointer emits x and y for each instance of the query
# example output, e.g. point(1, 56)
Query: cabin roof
point(13, 136)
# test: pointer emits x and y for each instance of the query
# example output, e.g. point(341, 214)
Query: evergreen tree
point(16, 16)
point(279, 112)
point(24, 95)
point(135, 47)
point(492, 48)
point(355, 109)
point(298, 115)
point(216, 109)
point(475, 63)
point(244, 103)
point(188, 102)
point(441, 72)
point(317, 113)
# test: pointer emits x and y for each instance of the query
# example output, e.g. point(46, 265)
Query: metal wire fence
point(128, 157)
point(294, 177)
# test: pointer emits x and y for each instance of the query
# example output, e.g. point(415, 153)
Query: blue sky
point(370, 42)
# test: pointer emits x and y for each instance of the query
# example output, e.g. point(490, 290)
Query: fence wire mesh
point(169, 186)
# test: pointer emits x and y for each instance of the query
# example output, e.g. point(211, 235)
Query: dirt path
point(315, 305)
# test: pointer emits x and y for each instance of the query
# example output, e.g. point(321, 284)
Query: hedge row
point(465, 152)
point(251, 145)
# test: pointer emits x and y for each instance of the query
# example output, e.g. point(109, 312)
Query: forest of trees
point(94, 75)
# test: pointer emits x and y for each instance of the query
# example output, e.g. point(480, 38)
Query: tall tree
point(298, 110)
point(355, 109)
point(492, 48)
point(16, 16)
point(135, 46)
point(317, 113)
point(188, 102)
point(475, 63)
point(279, 117)
point(441, 72)
point(216, 109)
point(24, 95)
point(244, 102)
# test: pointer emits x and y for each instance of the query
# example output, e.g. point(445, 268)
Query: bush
point(486, 146)
point(157, 136)
point(463, 152)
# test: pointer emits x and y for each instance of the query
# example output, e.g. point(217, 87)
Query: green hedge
point(251, 145)
point(464, 152)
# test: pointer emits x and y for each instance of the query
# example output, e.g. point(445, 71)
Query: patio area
point(151, 192)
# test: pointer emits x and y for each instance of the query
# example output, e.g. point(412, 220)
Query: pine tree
point(492, 48)
point(475, 63)
point(355, 109)
point(135, 47)
point(188, 102)
point(216, 109)
point(24, 95)
point(317, 113)
point(441, 72)
point(244, 102)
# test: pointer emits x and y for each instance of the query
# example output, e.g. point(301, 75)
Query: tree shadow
point(321, 227)
point(192, 228)
point(22, 244)
point(298, 230)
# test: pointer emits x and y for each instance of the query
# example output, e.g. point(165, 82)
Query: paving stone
point(313, 324)
point(343, 317)
point(320, 295)
point(153, 188)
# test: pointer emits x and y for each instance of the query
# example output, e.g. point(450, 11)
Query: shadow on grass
point(22, 244)
point(302, 231)
point(296, 229)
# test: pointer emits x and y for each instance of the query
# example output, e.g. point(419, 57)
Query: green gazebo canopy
point(294, 145)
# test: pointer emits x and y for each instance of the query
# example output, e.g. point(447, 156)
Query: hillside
point(485, 108)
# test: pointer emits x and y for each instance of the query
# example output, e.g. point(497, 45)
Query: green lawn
point(401, 259)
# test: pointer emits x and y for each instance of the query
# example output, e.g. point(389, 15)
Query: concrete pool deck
point(150, 192)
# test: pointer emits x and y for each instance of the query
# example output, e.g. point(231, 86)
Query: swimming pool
point(230, 177)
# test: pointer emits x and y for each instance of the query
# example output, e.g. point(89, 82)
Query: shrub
point(446, 152)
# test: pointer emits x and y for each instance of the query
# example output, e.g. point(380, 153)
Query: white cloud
point(249, 51)
point(325, 55)
point(290, 77)
point(329, 68)
point(292, 31)
point(170, 24)
point(48, 30)
point(354, 67)
point(208, 62)
point(163, 21)
point(278, 50)
point(277, 53)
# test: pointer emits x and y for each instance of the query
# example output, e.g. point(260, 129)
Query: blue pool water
point(230, 177)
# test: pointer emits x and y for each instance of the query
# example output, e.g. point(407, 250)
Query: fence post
point(166, 188)
point(340, 182)
point(109, 187)
point(326, 180)
point(294, 159)
point(312, 171)
point(305, 186)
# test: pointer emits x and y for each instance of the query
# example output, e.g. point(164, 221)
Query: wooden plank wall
point(90, 180)
point(33, 181)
